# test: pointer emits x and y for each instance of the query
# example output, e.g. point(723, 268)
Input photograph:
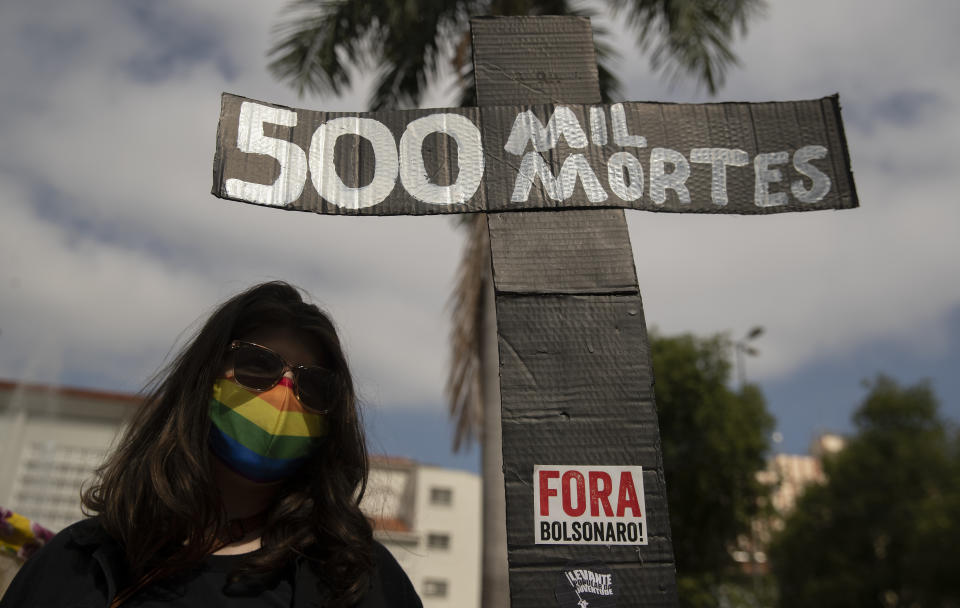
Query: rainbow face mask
point(262, 436)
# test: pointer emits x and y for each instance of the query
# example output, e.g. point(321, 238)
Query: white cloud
point(133, 159)
point(825, 283)
point(79, 305)
point(70, 296)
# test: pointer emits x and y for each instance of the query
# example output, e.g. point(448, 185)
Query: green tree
point(884, 528)
point(714, 442)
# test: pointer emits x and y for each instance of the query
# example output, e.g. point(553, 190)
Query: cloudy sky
point(113, 249)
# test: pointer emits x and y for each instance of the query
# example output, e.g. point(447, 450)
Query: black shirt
point(209, 585)
point(82, 567)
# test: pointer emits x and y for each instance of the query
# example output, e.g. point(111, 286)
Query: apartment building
point(51, 440)
point(429, 517)
point(788, 475)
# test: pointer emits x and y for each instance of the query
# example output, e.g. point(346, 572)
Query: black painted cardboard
point(575, 375)
point(593, 242)
point(676, 130)
point(577, 388)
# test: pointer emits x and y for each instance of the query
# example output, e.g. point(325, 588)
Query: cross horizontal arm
point(746, 158)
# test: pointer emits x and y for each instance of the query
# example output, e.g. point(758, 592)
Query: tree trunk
point(495, 590)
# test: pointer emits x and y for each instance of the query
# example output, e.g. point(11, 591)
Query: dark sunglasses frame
point(297, 370)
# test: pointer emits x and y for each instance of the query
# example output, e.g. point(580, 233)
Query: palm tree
point(407, 43)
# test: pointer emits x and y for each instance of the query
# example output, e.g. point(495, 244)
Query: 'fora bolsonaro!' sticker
point(586, 585)
point(589, 505)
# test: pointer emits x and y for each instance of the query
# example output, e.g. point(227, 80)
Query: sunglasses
point(258, 368)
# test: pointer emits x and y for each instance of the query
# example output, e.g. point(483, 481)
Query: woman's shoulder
point(386, 563)
point(82, 537)
point(392, 582)
point(63, 572)
point(86, 533)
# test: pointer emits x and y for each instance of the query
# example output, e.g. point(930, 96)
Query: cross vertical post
point(575, 375)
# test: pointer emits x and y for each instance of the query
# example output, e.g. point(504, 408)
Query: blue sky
point(113, 248)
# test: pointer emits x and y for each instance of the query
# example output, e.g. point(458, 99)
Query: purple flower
point(6, 528)
point(42, 534)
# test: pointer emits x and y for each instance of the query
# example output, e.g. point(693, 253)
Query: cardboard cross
point(554, 169)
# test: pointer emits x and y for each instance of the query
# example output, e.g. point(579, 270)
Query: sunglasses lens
point(256, 367)
point(318, 388)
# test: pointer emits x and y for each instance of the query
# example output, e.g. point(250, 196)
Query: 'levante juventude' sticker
point(589, 505)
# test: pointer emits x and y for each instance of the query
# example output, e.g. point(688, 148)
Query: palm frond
point(691, 37)
point(407, 51)
point(606, 55)
point(464, 388)
point(319, 40)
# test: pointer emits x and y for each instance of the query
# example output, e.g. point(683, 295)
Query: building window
point(436, 540)
point(441, 496)
point(46, 488)
point(433, 587)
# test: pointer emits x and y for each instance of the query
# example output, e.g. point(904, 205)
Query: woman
point(237, 484)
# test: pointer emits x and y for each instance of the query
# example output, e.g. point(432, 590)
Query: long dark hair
point(156, 494)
